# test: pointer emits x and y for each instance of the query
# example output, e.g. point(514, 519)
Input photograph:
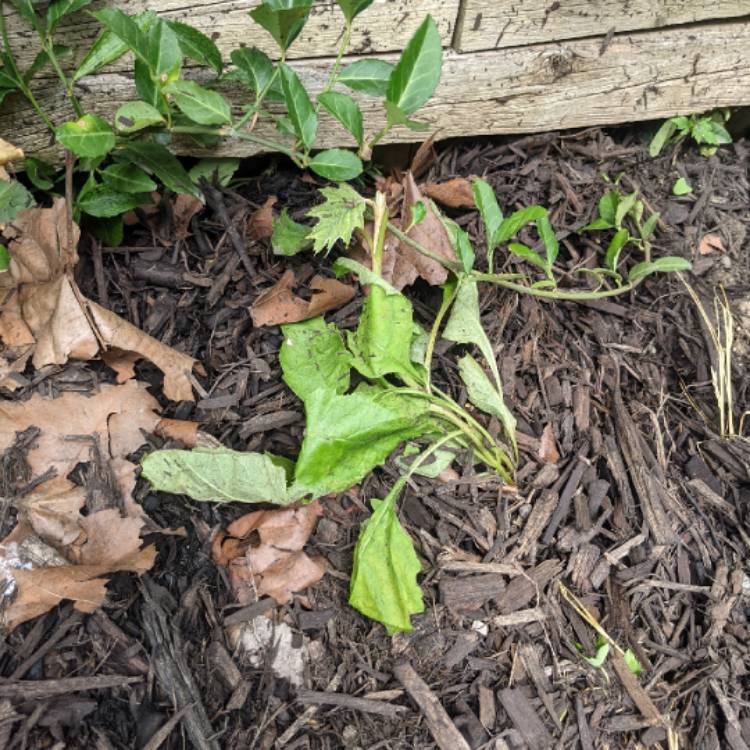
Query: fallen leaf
point(455, 193)
point(182, 430)
point(52, 510)
point(709, 243)
point(424, 157)
point(260, 224)
point(9, 153)
point(123, 363)
point(279, 304)
point(276, 566)
point(548, 452)
point(183, 209)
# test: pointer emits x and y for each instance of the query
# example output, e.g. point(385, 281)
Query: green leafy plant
point(708, 131)
point(170, 105)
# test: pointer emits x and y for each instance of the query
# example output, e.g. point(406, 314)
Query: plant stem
point(444, 307)
point(333, 75)
point(261, 96)
point(558, 294)
point(49, 48)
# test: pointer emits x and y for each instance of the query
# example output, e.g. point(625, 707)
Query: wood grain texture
point(538, 88)
point(385, 26)
point(495, 24)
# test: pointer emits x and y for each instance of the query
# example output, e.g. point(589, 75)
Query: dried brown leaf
point(548, 452)
point(709, 243)
point(183, 209)
point(53, 510)
point(260, 224)
point(182, 430)
point(279, 304)
point(123, 363)
point(9, 153)
point(455, 193)
point(424, 157)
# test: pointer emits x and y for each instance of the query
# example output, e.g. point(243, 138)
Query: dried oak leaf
point(260, 224)
point(279, 304)
point(548, 452)
point(275, 566)
point(455, 193)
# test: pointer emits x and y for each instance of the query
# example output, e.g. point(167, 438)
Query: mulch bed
point(644, 516)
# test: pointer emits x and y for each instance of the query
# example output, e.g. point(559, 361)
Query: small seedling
point(708, 132)
point(681, 187)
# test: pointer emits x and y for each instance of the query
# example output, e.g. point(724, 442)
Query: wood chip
point(525, 719)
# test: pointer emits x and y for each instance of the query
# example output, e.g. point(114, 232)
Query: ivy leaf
point(196, 46)
point(221, 169)
point(61, 8)
point(135, 116)
point(342, 212)
point(668, 264)
point(14, 197)
point(313, 357)
point(489, 210)
point(289, 237)
point(155, 159)
point(337, 164)
point(487, 397)
point(352, 8)
point(200, 104)
point(384, 585)
point(300, 108)
point(282, 19)
point(218, 474)
point(88, 136)
point(367, 76)
point(417, 73)
point(104, 202)
point(127, 178)
point(513, 224)
point(618, 242)
point(255, 70)
point(346, 111)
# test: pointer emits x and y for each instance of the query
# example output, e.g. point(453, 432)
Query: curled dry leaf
point(48, 309)
point(424, 157)
point(123, 363)
point(279, 304)
point(183, 209)
point(709, 243)
point(455, 193)
point(182, 430)
point(277, 565)
point(9, 153)
point(548, 452)
point(260, 224)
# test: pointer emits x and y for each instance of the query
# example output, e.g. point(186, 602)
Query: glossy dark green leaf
point(147, 88)
point(352, 8)
point(14, 197)
point(417, 73)
point(299, 107)
point(367, 76)
point(61, 8)
point(337, 164)
point(88, 136)
point(289, 237)
point(164, 55)
point(513, 224)
point(668, 264)
point(127, 178)
point(346, 111)
point(255, 69)
point(196, 46)
point(200, 104)
point(137, 115)
point(125, 28)
point(109, 231)
point(104, 202)
point(282, 19)
point(155, 159)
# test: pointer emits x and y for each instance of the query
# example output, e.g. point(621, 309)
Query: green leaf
point(417, 73)
point(384, 585)
point(255, 70)
point(612, 257)
point(14, 197)
point(200, 104)
point(127, 178)
point(342, 212)
point(137, 115)
point(707, 130)
point(487, 397)
point(103, 202)
point(608, 207)
point(489, 210)
point(289, 237)
point(313, 357)
point(525, 252)
point(511, 225)
point(110, 231)
point(396, 116)
point(40, 173)
point(337, 164)
point(365, 275)
point(155, 159)
point(633, 664)
point(681, 187)
point(221, 169)
point(597, 224)
point(300, 108)
point(381, 345)
point(4, 257)
point(282, 19)
point(163, 52)
point(668, 264)
point(461, 243)
point(367, 76)
point(147, 88)
point(352, 8)
point(441, 459)
point(418, 213)
point(346, 111)
point(648, 228)
point(217, 474)
point(624, 207)
point(61, 8)
point(25, 9)
point(602, 652)
point(464, 324)
point(549, 240)
point(196, 46)
point(42, 60)
point(661, 138)
point(125, 28)
point(88, 136)
point(348, 436)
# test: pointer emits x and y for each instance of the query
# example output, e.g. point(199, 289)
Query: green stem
point(557, 294)
point(444, 307)
point(49, 48)
point(333, 75)
point(382, 133)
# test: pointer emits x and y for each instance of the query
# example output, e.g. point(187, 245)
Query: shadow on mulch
point(644, 515)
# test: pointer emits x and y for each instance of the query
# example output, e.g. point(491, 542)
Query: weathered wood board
point(386, 26)
point(637, 76)
point(493, 24)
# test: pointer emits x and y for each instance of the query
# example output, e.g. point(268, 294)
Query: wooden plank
point(532, 89)
point(385, 26)
point(495, 24)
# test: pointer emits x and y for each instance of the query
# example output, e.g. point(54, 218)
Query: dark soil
point(644, 517)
